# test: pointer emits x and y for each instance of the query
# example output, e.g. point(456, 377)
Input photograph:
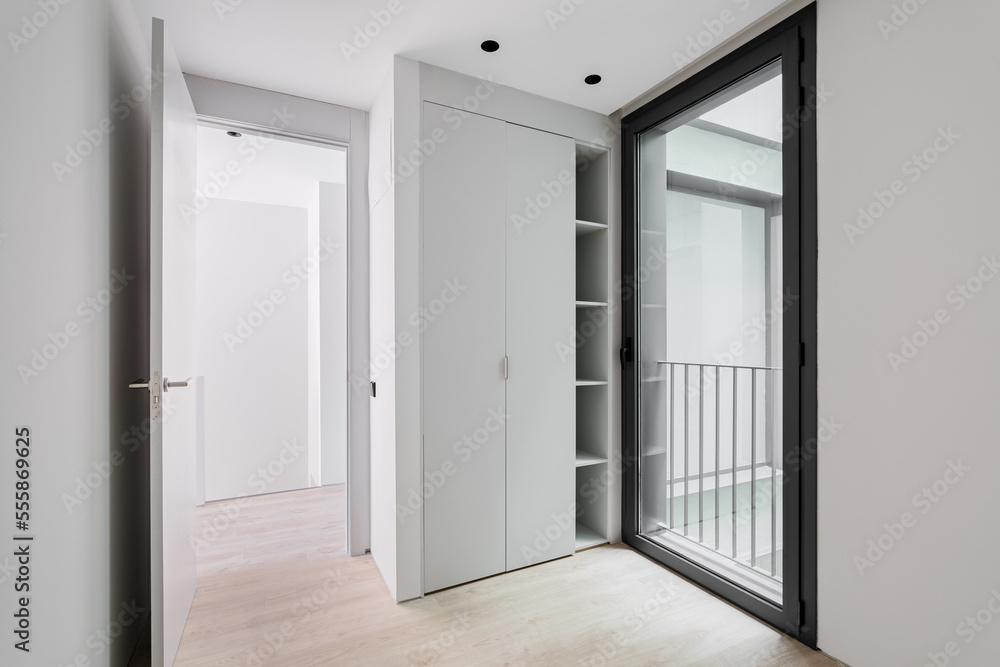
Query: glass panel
point(710, 358)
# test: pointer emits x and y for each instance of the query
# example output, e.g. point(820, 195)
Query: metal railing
point(743, 406)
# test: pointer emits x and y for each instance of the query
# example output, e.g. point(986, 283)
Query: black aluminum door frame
point(793, 42)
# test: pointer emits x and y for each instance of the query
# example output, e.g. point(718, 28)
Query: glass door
point(714, 488)
point(710, 320)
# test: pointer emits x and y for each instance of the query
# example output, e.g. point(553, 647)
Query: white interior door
point(463, 321)
point(173, 158)
point(541, 316)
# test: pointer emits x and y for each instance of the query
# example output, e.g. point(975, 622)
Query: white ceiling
point(271, 171)
point(294, 46)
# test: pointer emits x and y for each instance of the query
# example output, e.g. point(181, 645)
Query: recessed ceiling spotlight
point(592, 80)
point(489, 46)
point(234, 134)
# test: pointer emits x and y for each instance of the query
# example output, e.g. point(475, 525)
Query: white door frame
point(228, 105)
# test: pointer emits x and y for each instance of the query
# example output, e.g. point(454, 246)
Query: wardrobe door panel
point(463, 339)
point(541, 316)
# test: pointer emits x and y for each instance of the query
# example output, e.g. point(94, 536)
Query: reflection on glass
point(710, 357)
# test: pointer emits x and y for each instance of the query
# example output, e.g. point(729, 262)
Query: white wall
point(407, 131)
point(60, 241)
point(382, 327)
point(892, 98)
point(332, 279)
point(313, 361)
point(358, 339)
point(252, 347)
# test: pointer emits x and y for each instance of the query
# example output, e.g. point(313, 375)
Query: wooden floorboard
point(275, 587)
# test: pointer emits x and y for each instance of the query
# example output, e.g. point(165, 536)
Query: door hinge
point(802, 355)
point(373, 390)
point(506, 368)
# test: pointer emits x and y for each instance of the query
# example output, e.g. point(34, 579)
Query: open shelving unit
point(593, 354)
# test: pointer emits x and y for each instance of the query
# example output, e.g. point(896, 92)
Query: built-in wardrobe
point(516, 358)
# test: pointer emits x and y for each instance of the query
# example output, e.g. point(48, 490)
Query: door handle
point(153, 385)
point(167, 384)
point(625, 353)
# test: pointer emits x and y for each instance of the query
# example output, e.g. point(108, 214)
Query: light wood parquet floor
point(276, 588)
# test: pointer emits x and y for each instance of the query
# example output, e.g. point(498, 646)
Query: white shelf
point(593, 356)
point(586, 538)
point(584, 227)
point(587, 459)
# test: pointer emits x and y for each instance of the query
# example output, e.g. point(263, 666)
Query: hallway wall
point(72, 243)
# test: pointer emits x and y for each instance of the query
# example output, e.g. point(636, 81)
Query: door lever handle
point(625, 353)
point(139, 384)
point(167, 384)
